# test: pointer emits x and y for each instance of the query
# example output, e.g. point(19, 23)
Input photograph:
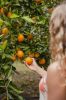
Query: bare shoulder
point(52, 67)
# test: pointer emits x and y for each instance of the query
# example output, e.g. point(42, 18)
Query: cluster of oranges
point(4, 30)
point(29, 60)
point(20, 38)
point(19, 54)
point(37, 55)
point(2, 11)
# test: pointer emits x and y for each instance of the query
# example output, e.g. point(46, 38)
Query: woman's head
point(58, 32)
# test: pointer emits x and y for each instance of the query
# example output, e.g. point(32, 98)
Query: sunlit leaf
point(1, 22)
point(15, 89)
point(7, 23)
point(1, 36)
point(28, 19)
point(9, 76)
point(4, 44)
point(14, 15)
point(1, 48)
point(41, 22)
point(20, 97)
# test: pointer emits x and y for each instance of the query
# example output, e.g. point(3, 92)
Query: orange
point(20, 53)
point(29, 60)
point(1, 10)
point(31, 54)
point(38, 1)
point(42, 61)
point(13, 57)
point(30, 36)
point(5, 30)
point(20, 37)
point(9, 14)
point(36, 55)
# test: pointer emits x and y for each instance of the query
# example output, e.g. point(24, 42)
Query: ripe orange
point(31, 54)
point(20, 53)
point(42, 61)
point(1, 10)
point(5, 30)
point(30, 36)
point(20, 37)
point(29, 60)
point(36, 55)
point(38, 1)
point(13, 57)
point(9, 14)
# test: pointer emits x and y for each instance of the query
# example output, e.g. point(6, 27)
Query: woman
point(56, 72)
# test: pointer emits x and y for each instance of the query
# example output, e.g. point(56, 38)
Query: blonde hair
point(58, 33)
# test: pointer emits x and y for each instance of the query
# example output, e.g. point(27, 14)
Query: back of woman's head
point(58, 33)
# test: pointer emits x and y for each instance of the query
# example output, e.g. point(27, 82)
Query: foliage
point(31, 19)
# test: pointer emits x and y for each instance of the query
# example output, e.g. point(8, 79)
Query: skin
point(36, 68)
point(56, 77)
point(55, 80)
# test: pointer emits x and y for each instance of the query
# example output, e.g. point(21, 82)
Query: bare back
point(56, 82)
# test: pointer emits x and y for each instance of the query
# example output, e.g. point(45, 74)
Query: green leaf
point(20, 97)
point(1, 83)
point(9, 72)
point(14, 15)
point(3, 56)
point(1, 36)
point(7, 56)
point(28, 19)
point(42, 22)
point(1, 48)
point(16, 95)
point(1, 22)
point(5, 67)
point(15, 89)
point(7, 23)
point(4, 44)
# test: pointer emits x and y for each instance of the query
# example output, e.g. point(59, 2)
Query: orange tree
point(23, 32)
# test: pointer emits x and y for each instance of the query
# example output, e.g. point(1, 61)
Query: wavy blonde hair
point(58, 33)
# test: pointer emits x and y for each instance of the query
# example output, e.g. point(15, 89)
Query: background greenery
point(31, 19)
